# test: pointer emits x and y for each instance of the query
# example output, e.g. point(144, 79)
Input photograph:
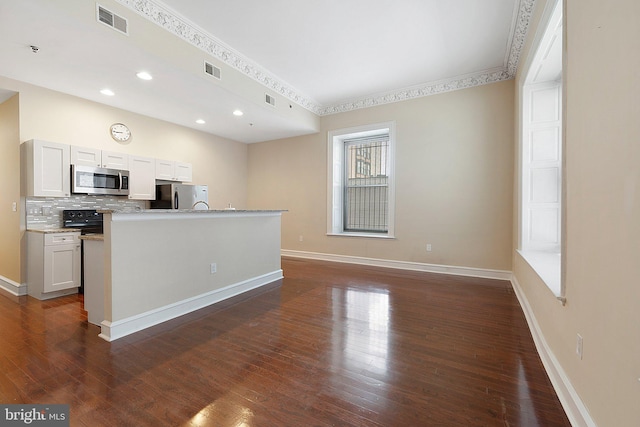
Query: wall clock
point(120, 132)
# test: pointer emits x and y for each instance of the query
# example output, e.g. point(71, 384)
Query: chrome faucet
point(200, 201)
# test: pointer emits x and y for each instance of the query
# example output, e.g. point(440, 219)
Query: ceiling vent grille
point(112, 20)
point(212, 70)
point(271, 100)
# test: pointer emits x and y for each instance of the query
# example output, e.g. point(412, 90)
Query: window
point(541, 153)
point(360, 196)
point(366, 184)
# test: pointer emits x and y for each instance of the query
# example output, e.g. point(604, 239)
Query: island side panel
point(159, 262)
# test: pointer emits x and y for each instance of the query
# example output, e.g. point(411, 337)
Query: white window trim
point(548, 265)
point(527, 166)
point(335, 177)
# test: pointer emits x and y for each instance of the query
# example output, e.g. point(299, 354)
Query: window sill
point(368, 235)
point(547, 266)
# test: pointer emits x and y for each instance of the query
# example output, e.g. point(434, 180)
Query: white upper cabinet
point(86, 156)
point(47, 168)
point(113, 160)
point(97, 158)
point(169, 170)
point(184, 172)
point(142, 178)
point(164, 169)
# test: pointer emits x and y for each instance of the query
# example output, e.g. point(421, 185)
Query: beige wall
point(454, 164)
point(44, 114)
point(166, 259)
point(10, 190)
point(602, 213)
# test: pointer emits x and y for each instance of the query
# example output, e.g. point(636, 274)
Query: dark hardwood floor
point(330, 345)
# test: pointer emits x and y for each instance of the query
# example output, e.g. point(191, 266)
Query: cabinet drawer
point(61, 238)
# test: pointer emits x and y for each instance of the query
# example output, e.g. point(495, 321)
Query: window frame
point(547, 261)
point(336, 180)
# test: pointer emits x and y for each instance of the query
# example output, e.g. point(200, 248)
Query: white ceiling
point(316, 57)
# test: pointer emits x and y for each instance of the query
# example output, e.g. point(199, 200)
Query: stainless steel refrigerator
point(181, 196)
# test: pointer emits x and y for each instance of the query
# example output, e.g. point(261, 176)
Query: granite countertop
point(97, 237)
point(92, 236)
point(197, 211)
point(54, 230)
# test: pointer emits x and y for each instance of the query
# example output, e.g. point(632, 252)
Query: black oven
point(87, 221)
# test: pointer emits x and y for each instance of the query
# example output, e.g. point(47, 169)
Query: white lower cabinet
point(53, 264)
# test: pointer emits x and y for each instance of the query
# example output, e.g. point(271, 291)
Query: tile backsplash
point(46, 212)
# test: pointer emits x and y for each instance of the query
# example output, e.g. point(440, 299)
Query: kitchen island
point(161, 264)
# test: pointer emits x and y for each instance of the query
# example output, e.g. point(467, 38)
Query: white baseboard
point(12, 287)
point(573, 406)
point(111, 331)
point(402, 265)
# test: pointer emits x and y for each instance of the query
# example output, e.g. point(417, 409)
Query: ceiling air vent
point(212, 70)
point(111, 19)
point(270, 99)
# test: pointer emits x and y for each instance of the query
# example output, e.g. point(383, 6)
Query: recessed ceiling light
point(107, 92)
point(200, 122)
point(144, 75)
point(238, 113)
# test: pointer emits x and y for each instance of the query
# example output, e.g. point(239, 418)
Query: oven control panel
point(86, 220)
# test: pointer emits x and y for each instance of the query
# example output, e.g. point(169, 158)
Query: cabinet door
point(142, 181)
point(184, 172)
point(85, 156)
point(165, 170)
point(169, 170)
point(49, 167)
point(61, 267)
point(113, 160)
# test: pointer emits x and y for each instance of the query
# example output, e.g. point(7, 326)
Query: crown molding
point(431, 88)
point(173, 22)
point(525, 11)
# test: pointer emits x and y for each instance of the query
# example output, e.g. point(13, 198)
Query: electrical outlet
point(428, 247)
point(579, 346)
point(214, 268)
point(14, 207)
point(301, 238)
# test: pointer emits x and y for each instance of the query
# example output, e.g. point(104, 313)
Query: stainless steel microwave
point(92, 180)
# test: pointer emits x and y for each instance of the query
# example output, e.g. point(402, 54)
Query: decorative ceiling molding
point(427, 89)
point(523, 18)
point(191, 33)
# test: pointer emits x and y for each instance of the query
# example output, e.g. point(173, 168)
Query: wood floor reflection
point(330, 345)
